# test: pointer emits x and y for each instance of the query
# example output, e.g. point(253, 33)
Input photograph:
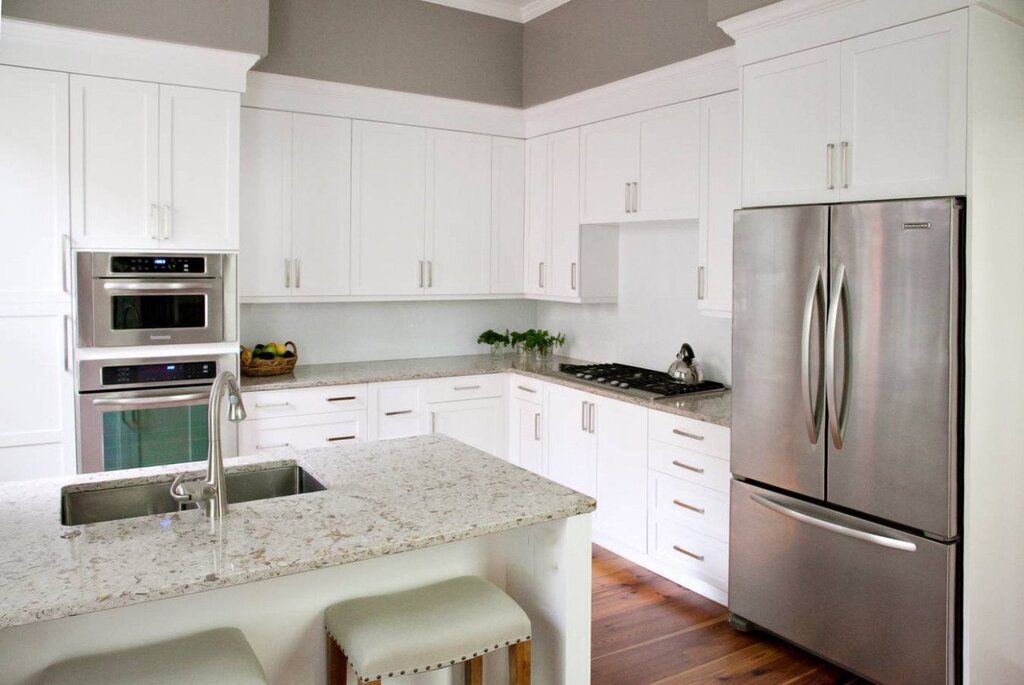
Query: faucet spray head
point(236, 410)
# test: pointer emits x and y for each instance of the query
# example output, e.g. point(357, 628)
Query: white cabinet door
point(720, 196)
point(527, 433)
point(571, 446)
point(538, 206)
point(397, 410)
point(562, 278)
point(320, 186)
point(114, 170)
point(609, 166)
point(34, 221)
point(458, 231)
point(264, 266)
point(791, 128)
point(37, 416)
point(508, 176)
point(478, 423)
point(621, 472)
point(669, 170)
point(904, 109)
point(199, 168)
point(388, 208)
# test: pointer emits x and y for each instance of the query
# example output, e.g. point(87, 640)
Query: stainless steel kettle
point(684, 369)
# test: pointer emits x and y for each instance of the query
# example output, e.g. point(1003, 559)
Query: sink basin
point(128, 501)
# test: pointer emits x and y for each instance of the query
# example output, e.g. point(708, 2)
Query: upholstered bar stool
point(426, 629)
point(215, 657)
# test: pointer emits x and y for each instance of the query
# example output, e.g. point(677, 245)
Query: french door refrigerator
point(846, 432)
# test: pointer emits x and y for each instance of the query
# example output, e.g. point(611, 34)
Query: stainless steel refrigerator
point(847, 431)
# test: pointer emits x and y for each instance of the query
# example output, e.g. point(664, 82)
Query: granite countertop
point(713, 408)
point(381, 498)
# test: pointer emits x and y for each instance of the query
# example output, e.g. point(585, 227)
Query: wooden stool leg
point(475, 671)
point(337, 663)
point(519, 663)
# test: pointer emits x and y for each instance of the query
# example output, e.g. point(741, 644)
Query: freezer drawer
point(872, 599)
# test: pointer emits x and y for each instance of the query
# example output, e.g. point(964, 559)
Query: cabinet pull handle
point(590, 419)
point(698, 557)
point(830, 182)
point(432, 421)
point(572, 276)
point(583, 416)
point(430, 273)
point(536, 427)
point(692, 436)
point(684, 505)
point(844, 159)
point(526, 389)
point(168, 222)
point(275, 405)
point(540, 275)
point(287, 272)
point(67, 343)
point(627, 198)
point(271, 447)
point(398, 413)
point(65, 257)
point(421, 273)
point(636, 196)
point(700, 282)
point(695, 469)
point(466, 387)
point(298, 272)
point(347, 398)
point(341, 437)
point(155, 217)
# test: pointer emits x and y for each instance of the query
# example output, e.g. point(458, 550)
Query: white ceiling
point(514, 10)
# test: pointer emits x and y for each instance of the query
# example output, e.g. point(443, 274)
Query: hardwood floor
point(648, 630)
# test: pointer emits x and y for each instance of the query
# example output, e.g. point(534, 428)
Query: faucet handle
point(194, 489)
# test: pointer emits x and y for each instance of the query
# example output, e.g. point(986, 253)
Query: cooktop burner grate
point(625, 377)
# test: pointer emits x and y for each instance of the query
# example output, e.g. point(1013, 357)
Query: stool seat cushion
point(426, 628)
point(215, 657)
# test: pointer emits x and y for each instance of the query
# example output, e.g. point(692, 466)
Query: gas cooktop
point(636, 381)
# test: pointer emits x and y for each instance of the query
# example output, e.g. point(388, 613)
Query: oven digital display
point(145, 264)
point(159, 373)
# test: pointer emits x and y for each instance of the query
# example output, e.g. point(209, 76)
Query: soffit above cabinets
point(513, 10)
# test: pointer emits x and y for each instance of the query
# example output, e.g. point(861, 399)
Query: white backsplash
point(656, 311)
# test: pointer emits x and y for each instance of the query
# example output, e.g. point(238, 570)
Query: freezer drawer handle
point(698, 557)
point(813, 399)
point(695, 469)
point(692, 436)
point(875, 538)
point(684, 505)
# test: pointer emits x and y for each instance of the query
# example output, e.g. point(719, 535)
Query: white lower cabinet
point(571, 446)
point(302, 432)
point(478, 423)
point(398, 410)
point(621, 430)
point(526, 435)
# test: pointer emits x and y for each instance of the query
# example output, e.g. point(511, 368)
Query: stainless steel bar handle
point(541, 278)
point(398, 413)
point(526, 389)
point(812, 400)
point(536, 427)
point(626, 202)
point(341, 437)
point(837, 413)
point(430, 273)
point(194, 284)
point(844, 148)
point(272, 447)
point(572, 276)
point(466, 387)
point(150, 401)
point(155, 219)
point(833, 526)
point(346, 398)
point(583, 416)
point(698, 557)
point(700, 282)
point(684, 505)
point(65, 257)
point(830, 182)
point(590, 419)
point(636, 196)
point(421, 273)
point(298, 272)
point(287, 272)
point(273, 405)
point(692, 436)
point(695, 469)
point(67, 342)
point(168, 221)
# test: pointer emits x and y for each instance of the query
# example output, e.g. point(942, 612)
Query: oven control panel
point(132, 374)
point(157, 264)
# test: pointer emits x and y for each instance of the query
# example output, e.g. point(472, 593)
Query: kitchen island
point(394, 515)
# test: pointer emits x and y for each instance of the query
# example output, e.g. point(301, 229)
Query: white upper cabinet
point(874, 117)
point(508, 176)
point(642, 167)
point(388, 208)
point(791, 128)
point(562, 277)
point(538, 200)
point(153, 165)
point(719, 197)
point(34, 185)
point(458, 227)
point(904, 111)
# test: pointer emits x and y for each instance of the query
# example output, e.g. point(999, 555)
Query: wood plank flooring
point(648, 630)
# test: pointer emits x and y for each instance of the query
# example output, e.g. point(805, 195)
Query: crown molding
point(539, 7)
point(77, 51)
point(503, 10)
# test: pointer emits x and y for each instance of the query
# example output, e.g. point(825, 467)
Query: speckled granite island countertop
point(713, 408)
point(381, 498)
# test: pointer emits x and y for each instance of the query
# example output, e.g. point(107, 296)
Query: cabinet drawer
point(400, 410)
point(526, 388)
point(690, 551)
point(677, 500)
point(465, 388)
point(304, 401)
point(689, 465)
point(699, 436)
point(303, 432)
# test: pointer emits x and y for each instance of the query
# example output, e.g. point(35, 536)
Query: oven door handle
point(163, 400)
point(191, 285)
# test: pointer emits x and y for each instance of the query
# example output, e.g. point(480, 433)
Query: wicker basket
point(272, 367)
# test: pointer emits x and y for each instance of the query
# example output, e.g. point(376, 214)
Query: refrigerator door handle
point(837, 413)
point(866, 536)
point(813, 400)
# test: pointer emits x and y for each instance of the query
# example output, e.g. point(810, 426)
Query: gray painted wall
point(417, 47)
point(227, 24)
point(587, 43)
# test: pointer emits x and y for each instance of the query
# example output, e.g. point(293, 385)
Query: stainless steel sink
point(106, 503)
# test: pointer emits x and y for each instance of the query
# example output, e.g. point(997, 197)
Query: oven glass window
point(151, 312)
point(154, 437)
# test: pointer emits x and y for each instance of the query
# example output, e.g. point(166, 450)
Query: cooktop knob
point(580, 375)
point(602, 379)
point(623, 385)
point(588, 377)
point(613, 383)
